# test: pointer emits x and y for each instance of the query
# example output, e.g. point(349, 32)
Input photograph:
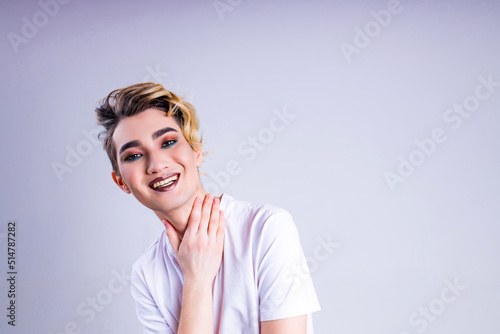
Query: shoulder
point(263, 218)
point(148, 259)
point(234, 207)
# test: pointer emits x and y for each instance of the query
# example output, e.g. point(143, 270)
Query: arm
point(295, 325)
point(200, 255)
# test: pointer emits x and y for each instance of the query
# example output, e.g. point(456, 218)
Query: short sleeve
point(284, 283)
point(147, 310)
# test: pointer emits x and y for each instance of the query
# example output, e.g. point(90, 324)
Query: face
point(157, 165)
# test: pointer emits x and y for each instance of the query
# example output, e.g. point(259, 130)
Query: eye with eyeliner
point(131, 157)
point(168, 142)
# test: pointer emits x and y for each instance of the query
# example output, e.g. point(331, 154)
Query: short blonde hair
point(130, 101)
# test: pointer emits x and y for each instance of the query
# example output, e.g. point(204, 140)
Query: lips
point(165, 182)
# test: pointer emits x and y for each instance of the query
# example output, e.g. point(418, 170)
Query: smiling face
point(156, 163)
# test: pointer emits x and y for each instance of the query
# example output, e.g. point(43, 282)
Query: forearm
point(197, 308)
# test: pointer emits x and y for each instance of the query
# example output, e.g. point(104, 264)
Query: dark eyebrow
point(161, 132)
point(155, 135)
point(133, 143)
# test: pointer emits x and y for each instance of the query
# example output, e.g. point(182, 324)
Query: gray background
point(393, 250)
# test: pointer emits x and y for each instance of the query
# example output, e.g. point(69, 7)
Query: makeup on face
point(156, 161)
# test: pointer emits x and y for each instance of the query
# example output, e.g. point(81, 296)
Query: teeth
point(164, 183)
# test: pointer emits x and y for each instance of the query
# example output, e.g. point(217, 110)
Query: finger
point(214, 218)
point(194, 218)
point(205, 213)
point(172, 235)
point(221, 230)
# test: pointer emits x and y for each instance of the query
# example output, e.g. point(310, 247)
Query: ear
point(119, 181)
point(198, 155)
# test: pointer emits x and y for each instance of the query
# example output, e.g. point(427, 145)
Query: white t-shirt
point(263, 274)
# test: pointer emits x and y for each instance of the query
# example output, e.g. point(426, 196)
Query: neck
point(179, 216)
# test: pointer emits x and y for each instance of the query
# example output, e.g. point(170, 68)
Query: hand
point(200, 251)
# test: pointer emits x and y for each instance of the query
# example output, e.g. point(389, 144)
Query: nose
point(156, 163)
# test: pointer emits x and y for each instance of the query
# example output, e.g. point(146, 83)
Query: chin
point(165, 205)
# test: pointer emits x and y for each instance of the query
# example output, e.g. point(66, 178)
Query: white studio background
point(375, 123)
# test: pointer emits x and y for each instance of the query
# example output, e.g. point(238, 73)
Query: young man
point(222, 266)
